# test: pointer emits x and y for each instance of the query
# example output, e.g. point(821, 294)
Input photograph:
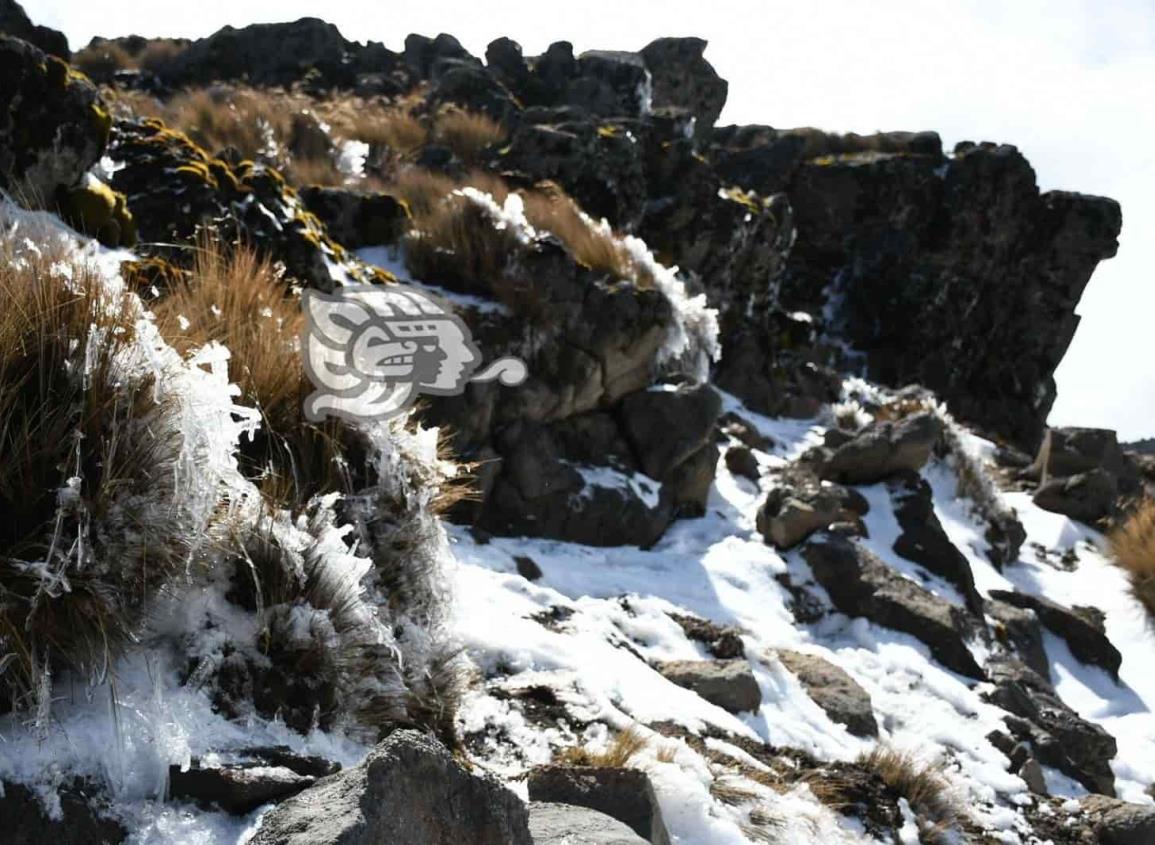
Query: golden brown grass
point(923, 785)
point(237, 298)
point(74, 569)
point(101, 61)
point(1132, 544)
point(468, 134)
point(619, 754)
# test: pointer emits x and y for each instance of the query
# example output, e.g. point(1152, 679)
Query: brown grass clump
point(89, 456)
point(468, 134)
point(237, 298)
point(1132, 544)
point(591, 245)
point(619, 754)
point(158, 55)
point(922, 785)
point(101, 61)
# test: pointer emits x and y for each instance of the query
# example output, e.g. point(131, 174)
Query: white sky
point(1070, 82)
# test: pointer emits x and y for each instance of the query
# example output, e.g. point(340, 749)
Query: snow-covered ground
point(596, 653)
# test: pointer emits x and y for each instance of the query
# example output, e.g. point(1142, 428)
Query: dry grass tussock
point(1132, 544)
point(453, 240)
point(237, 298)
point(90, 456)
point(619, 754)
point(923, 785)
point(468, 134)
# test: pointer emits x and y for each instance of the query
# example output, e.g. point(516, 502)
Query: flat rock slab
point(883, 449)
point(409, 789)
point(235, 789)
point(623, 794)
point(832, 689)
point(569, 824)
point(1086, 639)
point(730, 684)
point(859, 584)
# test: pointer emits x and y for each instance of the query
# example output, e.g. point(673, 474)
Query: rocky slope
point(773, 545)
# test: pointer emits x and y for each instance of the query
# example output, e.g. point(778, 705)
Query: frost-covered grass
point(332, 618)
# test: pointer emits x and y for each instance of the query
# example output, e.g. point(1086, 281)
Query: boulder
point(235, 789)
point(81, 821)
point(1084, 634)
point(729, 684)
point(1088, 497)
point(1070, 451)
point(884, 449)
point(1119, 822)
point(859, 584)
point(667, 424)
point(569, 824)
point(839, 695)
point(356, 219)
point(611, 83)
point(923, 539)
point(15, 22)
point(741, 461)
point(722, 641)
point(53, 125)
point(409, 789)
point(802, 504)
point(1018, 630)
point(683, 79)
point(1059, 736)
point(623, 794)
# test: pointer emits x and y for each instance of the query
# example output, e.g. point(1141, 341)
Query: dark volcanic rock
point(682, 78)
point(883, 449)
point(724, 642)
point(843, 698)
point(860, 584)
point(53, 126)
point(623, 794)
point(409, 789)
point(569, 824)
point(25, 822)
point(667, 426)
point(1088, 497)
point(235, 789)
point(955, 273)
point(1085, 637)
point(1070, 451)
point(1058, 735)
point(923, 539)
point(730, 684)
point(1019, 630)
point(357, 219)
point(14, 21)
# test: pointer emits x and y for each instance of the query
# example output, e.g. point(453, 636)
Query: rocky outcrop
point(729, 684)
point(859, 584)
point(569, 824)
point(923, 539)
point(839, 695)
point(623, 794)
point(1058, 735)
point(682, 79)
point(174, 188)
point(14, 21)
point(53, 126)
point(954, 272)
point(356, 219)
point(1083, 473)
point(1083, 631)
point(409, 789)
point(1119, 822)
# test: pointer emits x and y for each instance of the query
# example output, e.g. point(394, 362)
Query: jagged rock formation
point(15, 22)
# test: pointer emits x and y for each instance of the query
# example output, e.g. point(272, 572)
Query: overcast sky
point(1070, 82)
